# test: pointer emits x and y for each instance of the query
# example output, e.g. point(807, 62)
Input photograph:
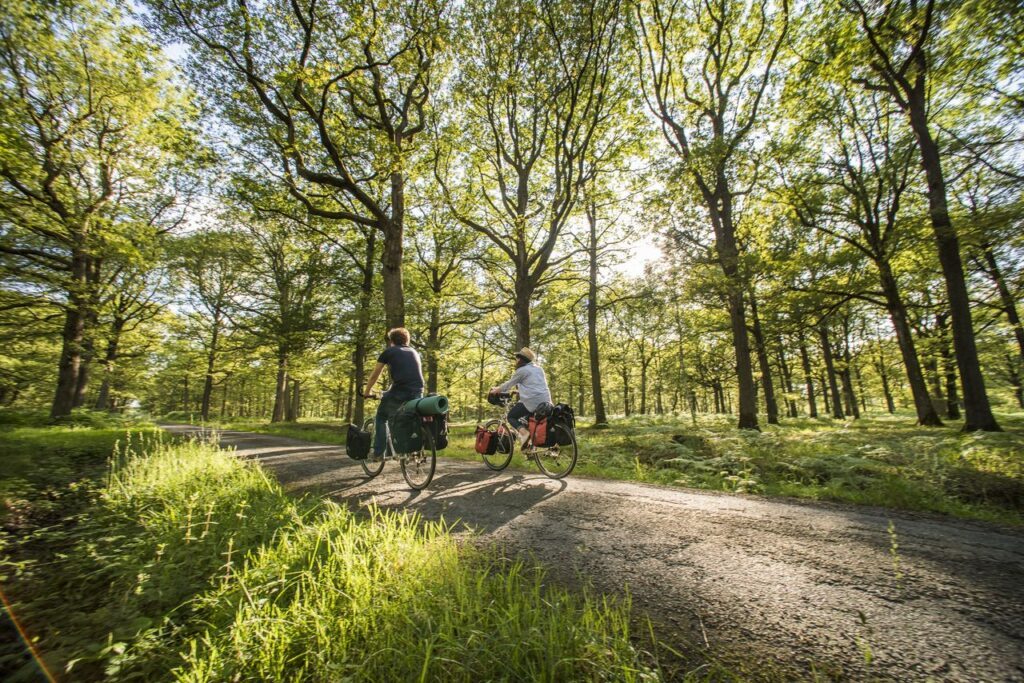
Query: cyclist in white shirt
point(533, 390)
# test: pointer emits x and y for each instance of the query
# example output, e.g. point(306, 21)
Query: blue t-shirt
point(406, 371)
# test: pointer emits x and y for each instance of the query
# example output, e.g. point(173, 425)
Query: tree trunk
point(1005, 297)
point(521, 310)
point(353, 389)
point(391, 271)
point(830, 370)
point(294, 406)
point(109, 362)
point(85, 366)
point(824, 393)
point(594, 349)
point(948, 368)
point(805, 361)
point(926, 414)
point(849, 397)
point(1013, 371)
point(480, 385)
point(772, 408)
point(976, 404)
point(433, 346)
point(787, 377)
point(71, 348)
point(625, 390)
point(363, 329)
point(644, 363)
point(211, 358)
point(883, 375)
point(224, 400)
point(281, 388)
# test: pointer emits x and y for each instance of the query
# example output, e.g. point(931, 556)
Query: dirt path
point(799, 587)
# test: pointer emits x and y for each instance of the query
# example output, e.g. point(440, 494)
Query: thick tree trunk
point(592, 344)
point(728, 256)
point(926, 414)
point(521, 310)
point(70, 360)
point(805, 362)
point(976, 404)
point(830, 370)
point(391, 262)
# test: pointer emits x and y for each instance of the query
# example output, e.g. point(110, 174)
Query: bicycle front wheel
point(418, 466)
point(497, 460)
point(372, 465)
point(558, 460)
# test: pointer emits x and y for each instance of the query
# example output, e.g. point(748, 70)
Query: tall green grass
point(185, 563)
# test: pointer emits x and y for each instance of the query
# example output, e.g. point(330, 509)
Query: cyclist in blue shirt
point(406, 381)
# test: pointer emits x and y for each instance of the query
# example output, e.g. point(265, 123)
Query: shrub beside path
point(788, 588)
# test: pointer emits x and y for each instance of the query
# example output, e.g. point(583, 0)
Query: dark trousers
point(390, 402)
point(519, 415)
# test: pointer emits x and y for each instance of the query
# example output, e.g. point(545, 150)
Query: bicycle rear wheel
point(418, 466)
point(498, 461)
point(372, 465)
point(558, 460)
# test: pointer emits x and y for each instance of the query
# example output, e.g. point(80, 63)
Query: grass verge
point(180, 562)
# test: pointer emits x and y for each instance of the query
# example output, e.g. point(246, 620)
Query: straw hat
point(526, 353)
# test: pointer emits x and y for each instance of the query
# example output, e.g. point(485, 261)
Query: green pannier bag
point(405, 432)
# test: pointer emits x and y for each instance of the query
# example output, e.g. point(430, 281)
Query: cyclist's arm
point(514, 380)
point(374, 376)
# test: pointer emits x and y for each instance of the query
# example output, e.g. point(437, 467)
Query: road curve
point(846, 592)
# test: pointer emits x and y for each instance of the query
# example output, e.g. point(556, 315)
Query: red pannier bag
point(539, 431)
point(486, 441)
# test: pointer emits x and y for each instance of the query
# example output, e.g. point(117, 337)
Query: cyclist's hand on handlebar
point(371, 394)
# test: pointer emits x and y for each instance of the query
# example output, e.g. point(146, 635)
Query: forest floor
point(770, 589)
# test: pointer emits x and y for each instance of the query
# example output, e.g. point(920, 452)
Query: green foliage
point(190, 564)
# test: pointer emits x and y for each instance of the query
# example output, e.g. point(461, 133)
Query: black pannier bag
point(564, 417)
point(437, 427)
point(357, 443)
point(405, 432)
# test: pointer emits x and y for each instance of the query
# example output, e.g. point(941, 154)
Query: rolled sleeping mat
point(428, 405)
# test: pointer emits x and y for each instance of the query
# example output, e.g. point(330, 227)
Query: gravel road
point(803, 589)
